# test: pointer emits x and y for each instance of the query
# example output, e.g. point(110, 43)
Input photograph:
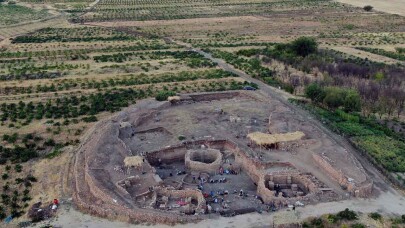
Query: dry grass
point(264, 139)
point(364, 54)
point(388, 6)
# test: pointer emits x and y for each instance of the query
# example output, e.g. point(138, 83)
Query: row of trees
point(84, 34)
point(47, 39)
point(71, 107)
point(122, 57)
point(138, 46)
point(15, 194)
point(122, 81)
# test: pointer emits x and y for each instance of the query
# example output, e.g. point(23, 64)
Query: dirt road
point(387, 203)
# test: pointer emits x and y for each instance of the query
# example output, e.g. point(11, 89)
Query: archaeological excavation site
point(201, 156)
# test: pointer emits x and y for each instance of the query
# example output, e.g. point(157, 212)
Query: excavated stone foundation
point(212, 169)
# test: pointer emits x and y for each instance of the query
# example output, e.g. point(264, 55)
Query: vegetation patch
point(13, 14)
point(388, 152)
point(399, 54)
point(381, 143)
point(64, 35)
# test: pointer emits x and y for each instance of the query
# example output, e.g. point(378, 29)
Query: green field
point(14, 14)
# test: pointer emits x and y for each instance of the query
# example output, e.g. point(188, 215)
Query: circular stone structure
point(203, 160)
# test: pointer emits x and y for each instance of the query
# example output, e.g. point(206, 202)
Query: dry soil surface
point(388, 6)
point(388, 203)
point(364, 54)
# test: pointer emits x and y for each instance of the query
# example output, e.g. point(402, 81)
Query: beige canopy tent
point(174, 98)
point(263, 139)
point(133, 161)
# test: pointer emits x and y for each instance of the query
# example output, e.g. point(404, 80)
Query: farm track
point(380, 181)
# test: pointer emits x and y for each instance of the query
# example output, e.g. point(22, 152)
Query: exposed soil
point(388, 6)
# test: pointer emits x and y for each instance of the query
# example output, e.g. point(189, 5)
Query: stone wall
point(92, 198)
point(192, 162)
point(254, 168)
point(284, 178)
point(167, 155)
point(356, 189)
point(186, 193)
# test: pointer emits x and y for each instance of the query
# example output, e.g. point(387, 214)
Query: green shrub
point(352, 102)
point(163, 95)
point(375, 216)
point(347, 215)
point(317, 222)
point(368, 8)
point(333, 218)
point(31, 178)
point(89, 119)
point(304, 46)
point(334, 97)
point(56, 152)
point(18, 168)
point(182, 137)
point(4, 176)
point(2, 213)
point(358, 225)
point(49, 142)
point(315, 92)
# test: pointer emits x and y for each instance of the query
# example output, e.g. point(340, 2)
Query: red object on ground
point(181, 203)
point(55, 201)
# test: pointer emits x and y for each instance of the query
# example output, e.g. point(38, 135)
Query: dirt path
point(92, 5)
point(386, 204)
point(387, 6)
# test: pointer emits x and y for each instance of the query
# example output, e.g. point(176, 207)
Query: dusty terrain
point(395, 202)
point(213, 120)
point(389, 6)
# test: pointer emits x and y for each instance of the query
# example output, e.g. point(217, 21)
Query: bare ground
point(388, 203)
point(365, 54)
point(387, 6)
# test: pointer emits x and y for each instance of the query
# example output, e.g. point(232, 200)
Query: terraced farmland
point(55, 64)
point(108, 10)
